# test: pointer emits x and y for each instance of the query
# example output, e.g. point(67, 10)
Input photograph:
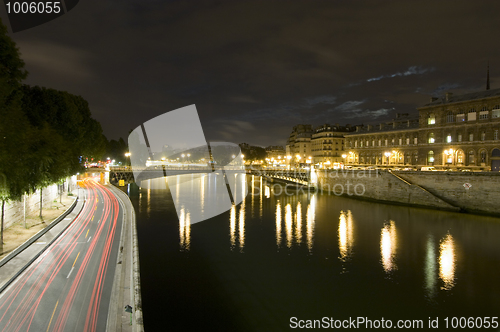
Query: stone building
point(461, 130)
point(391, 143)
point(327, 144)
point(298, 146)
point(456, 131)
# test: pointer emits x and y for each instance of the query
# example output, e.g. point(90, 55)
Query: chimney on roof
point(448, 96)
point(433, 99)
point(488, 77)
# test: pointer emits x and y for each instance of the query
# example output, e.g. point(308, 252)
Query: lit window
point(496, 112)
point(407, 141)
point(415, 140)
point(431, 119)
point(483, 136)
point(460, 117)
point(430, 156)
point(459, 137)
point(471, 137)
point(431, 138)
point(448, 138)
point(471, 116)
point(386, 142)
point(400, 141)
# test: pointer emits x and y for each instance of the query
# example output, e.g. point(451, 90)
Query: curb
point(135, 288)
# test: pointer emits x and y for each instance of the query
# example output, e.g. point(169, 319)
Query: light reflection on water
point(388, 246)
point(430, 267)
point(447, 262)
point(346, 235)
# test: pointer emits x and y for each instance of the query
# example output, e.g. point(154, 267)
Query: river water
point(310, 256)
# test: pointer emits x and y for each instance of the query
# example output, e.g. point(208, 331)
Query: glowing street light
point(387, 154)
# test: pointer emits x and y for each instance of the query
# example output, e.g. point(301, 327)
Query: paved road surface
point(68, 287)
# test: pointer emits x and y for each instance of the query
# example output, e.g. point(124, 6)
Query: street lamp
point(387, 154)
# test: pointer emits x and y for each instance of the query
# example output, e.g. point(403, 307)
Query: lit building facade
point(450, 132)
point(391, 143)
point(298, 147)
point(461, 130)
point(328, 144)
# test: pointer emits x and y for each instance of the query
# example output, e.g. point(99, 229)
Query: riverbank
point(472, 192)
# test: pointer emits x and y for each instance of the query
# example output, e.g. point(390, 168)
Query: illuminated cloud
point(413, 70)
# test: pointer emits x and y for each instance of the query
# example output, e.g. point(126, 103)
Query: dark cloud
point(254, 69)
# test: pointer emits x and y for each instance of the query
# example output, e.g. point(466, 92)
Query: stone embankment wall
point(15, 210)
point(477, 192)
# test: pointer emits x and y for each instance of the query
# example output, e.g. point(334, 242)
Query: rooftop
point(464, 97)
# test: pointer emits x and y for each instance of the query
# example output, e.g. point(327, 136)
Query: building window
point(430, 156)
point(448, 138)
point(386, 142)
point(431, 119)
point(450, 117)
point(495, 135)
point(415, 140)
point(392, 141)
point(460, 116)
point(483, 114)
point(400, 141)
point(407, 141)
point(431, 138)
point(483, 136)
point(483, 157)
point(379, 142)
point(373, 143)
point(496, 112)
point(471, 137)
point(460, 157)
point(355, 144)
point(459, 137)
point(471, 157)
point(471, 116)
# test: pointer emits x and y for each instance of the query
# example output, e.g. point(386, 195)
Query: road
point(69, 286)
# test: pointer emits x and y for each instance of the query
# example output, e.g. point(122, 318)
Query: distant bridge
point(304, 177)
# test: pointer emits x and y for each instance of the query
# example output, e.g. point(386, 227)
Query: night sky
point(255, 69)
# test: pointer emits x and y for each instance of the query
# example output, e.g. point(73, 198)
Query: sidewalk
point(12, 265)
point(126, 285)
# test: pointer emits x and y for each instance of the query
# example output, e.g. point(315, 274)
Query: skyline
point(256, 69)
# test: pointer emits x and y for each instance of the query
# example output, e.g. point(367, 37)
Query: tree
point(12, 142)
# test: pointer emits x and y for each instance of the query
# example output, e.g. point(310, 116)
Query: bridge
point(301, 177)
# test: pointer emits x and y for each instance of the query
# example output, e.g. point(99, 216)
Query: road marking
point(76, 259)
point(67, 218)
point(92, 218)
point(87, 233)
point(70, 272)
point(89, 239)
point(40, 242)
point(50, 322)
